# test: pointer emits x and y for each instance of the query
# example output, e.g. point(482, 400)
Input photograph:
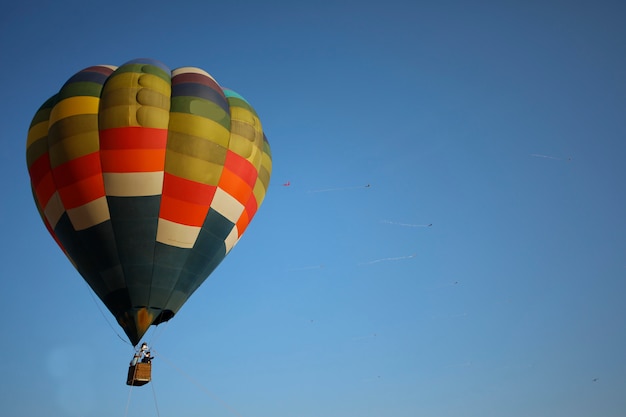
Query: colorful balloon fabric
point(146, 179)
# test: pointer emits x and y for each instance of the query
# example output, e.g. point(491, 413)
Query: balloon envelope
point(146, 179)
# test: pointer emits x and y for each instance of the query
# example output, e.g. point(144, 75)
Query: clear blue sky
point(501, 123)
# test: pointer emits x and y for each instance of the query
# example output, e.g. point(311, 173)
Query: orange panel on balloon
point(182, 212)
point(133, 149)
point(82, 192)
point(235, 186)
point(241, 167)
point(133, 160)
point(187, 190)
point(242, 223)
point(39, 168)
point(133, 137)
point(251, 206)
point(77, 169)
point(45, 190)
point(41, 177)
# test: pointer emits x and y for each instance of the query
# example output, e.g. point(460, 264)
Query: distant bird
point(595, 379)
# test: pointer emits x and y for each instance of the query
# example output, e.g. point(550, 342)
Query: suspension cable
point(156, 405)
point(91, 293)
point(157, 333)
point(130, 391)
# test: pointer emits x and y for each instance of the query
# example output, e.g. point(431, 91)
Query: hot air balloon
point(146, 178)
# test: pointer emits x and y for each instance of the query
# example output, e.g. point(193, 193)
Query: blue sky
point(500, 123)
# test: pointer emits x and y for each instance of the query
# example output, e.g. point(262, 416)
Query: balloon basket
point(139, 374)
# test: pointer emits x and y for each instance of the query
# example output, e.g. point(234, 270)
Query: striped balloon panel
point(133, 120)
point(63, 160)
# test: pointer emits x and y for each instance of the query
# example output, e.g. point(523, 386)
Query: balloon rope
point(157, 333)
point(202, 387)
point(130, 391)
point(91, 293)
point(155, 400)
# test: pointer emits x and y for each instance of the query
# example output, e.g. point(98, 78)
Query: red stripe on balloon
point(133, 160)
point(241, 167)
point(185, 201)
point(235, 186)
point(133, 137)
point(133, 149)
point(182, 212)
point(191, 191)
point(82, 192)
point(77, 169)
